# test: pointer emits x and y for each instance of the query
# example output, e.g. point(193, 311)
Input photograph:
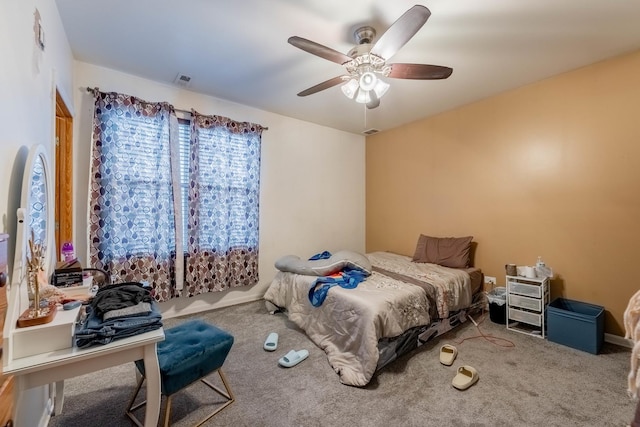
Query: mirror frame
point(17, 292)
point(23, 232)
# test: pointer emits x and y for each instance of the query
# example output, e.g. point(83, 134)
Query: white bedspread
point(452, 286)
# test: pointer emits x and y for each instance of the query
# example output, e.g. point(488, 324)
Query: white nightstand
point(527, 300)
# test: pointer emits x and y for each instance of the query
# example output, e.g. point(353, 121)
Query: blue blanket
point(347, 279)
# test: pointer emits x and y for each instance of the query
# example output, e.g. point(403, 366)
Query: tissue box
point(68, 273)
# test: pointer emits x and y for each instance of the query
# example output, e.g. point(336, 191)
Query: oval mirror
point(35, 214)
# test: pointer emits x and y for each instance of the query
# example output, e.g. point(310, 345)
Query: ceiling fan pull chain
point(364, 107)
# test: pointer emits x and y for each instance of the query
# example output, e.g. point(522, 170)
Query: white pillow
point(325, 267)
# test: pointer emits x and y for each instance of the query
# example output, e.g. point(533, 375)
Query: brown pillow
point(445, 251)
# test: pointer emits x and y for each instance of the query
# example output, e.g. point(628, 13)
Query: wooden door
point(63, 175)
point(6, 383)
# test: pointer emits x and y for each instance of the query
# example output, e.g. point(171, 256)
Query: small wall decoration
point(38, 30)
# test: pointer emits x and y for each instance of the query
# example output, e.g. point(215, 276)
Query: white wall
point(28, 77)
point(312, 183)
point(312, 180)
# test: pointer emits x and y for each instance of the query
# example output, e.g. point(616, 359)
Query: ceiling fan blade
point(419, 71)
point(322, 86)
point(401, 31)
point(319, 50)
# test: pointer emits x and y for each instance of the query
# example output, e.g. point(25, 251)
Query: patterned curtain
point(132, 216)
point(223, 204)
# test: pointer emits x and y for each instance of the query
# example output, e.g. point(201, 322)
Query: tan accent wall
point(549, 169)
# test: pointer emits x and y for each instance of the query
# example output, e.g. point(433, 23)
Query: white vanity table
point(56, 366)
point(44, 354)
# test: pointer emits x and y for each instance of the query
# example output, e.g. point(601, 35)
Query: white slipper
point(465, 378)
point(448, 354)
point(271, 343)
point(292, 358)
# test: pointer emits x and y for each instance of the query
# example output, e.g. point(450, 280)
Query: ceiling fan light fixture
point(381, 88)
point(363, 96)
point(368, 81)
point(369, 88)
point(350, 88)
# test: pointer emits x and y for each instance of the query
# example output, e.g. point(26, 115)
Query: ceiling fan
point(366, 62)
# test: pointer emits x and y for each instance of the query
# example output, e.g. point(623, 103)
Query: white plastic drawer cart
point(527, 300)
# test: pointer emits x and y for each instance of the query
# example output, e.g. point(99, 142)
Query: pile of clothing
point(348, 278)
point(117, 311)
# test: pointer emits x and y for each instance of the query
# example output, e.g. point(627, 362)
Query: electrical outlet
point(490, 280)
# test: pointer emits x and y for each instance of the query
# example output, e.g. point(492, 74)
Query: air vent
point(370, 131)
point(182, 79)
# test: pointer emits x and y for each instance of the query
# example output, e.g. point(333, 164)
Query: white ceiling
point(238, 50)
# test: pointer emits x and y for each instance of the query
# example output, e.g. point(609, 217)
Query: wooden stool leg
point(167, 411)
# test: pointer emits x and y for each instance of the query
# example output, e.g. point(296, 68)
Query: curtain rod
point(95, 89)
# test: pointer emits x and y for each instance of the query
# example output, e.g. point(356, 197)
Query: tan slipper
point(448, 354)
point(465, 378)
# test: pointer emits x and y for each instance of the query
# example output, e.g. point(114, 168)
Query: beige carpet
point(535, 383)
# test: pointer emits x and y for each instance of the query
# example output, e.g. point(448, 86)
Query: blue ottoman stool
point(189, 352)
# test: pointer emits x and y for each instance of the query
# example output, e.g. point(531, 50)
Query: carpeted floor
point(535, 383)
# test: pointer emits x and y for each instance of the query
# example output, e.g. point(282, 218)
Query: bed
point(401, 305)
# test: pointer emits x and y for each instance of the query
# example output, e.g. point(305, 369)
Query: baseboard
point(201, 306)
point(618, 340)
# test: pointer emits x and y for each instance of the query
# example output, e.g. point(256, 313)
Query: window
point(141, 155)
point(136, 185)
point(228, 190)
point(226, 175)
point(184, 135)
